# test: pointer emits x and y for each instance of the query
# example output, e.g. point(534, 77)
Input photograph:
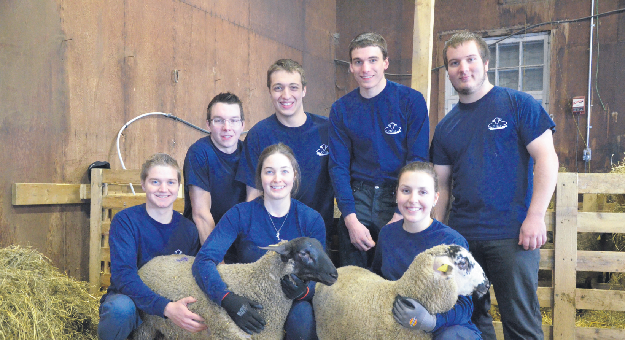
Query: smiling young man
point(211, 164)
point(376, 129)
point(306, 134)
point(137, 235)
point(496, 147)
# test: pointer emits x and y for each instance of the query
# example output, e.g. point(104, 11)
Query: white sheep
point(171, 277)
point(359, 305)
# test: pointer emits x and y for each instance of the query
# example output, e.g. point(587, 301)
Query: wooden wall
point(569, 50)
point(73, 72)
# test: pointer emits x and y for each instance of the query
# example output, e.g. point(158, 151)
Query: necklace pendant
point(278, 235)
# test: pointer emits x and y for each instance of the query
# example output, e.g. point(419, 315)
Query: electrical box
point(578, 105)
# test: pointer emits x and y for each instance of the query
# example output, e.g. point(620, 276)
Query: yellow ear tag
point(443, 268)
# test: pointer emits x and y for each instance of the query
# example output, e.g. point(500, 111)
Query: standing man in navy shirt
point(305, 133)
point(211, 164)
point(487, 146)
point(376, 129)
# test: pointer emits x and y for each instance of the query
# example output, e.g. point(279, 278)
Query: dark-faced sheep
point(171, 277)
point(359, 305)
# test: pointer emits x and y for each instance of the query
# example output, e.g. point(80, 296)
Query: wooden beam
point(47, 194)
point(600, 261)
point(609, 183)
point(423, 47)
point(601, 222)
point(565, 257)
point(593, 299)
point(599, 334)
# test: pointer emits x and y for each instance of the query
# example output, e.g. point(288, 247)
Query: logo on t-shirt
point(322, 150)
point(178, 252)
point(393, 129)
point(496, 124)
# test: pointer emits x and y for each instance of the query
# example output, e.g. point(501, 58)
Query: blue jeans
point(374, 206)
point(514, 273)
point(118, 317)
point(300, 323)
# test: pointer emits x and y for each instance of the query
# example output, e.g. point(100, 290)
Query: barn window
point(520, 63)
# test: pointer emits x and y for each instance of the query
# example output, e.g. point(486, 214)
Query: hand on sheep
point(295, 288)
point(183, 317)
point(532, 234)
point(360, 236)
point(243, 312)
point(411, 314)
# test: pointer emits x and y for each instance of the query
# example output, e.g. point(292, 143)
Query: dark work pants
point(375, 206)
point(513, 272)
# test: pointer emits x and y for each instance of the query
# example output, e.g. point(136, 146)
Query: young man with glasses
point(211, 164)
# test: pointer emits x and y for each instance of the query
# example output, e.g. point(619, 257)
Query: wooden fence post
point(95, 221)
point(565, 257)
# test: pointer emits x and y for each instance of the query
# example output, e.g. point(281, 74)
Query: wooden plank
point(547, 330)
point(599, 334)
point(601, 222)
point(121, 176)
point(565, 257)
point(609, 183)
point(544, 294)
point(600, 261)
point(423, 47)
point(95, 220)
point(546, 260)
point(592, 299)
point(45, 194)
point(550, 220)
point(590, 202)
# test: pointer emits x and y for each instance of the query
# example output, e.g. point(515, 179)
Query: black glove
point(411, 314)
point(295, 288)
point(243, 312)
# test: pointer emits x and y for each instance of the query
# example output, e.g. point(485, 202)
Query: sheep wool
point(359, 304)
point(171, 277)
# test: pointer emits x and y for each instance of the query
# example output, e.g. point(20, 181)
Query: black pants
point(513, 272)
point(374, 206)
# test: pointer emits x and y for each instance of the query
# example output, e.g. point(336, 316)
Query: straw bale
point(38, 302)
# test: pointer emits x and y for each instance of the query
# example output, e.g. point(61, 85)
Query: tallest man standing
point(487, 146)
point(376, 129)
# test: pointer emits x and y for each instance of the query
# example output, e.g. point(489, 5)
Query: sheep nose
point(483, 288)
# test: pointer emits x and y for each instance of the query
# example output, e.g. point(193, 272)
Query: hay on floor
point(38, 302)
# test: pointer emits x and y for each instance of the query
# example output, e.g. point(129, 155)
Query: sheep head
point(437, 277)
point(468, 274)
point(311, 263)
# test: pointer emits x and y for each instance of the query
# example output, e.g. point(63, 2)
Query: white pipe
point(589, 83)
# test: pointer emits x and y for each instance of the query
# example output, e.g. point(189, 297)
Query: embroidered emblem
point(393, 129)
point(322, 150)
point(496, 124)
point(178, 252)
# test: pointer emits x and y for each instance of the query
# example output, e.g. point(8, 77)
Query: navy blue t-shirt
point(214, 171)
point(134, 239)
point(372, 138)
point(396, 250)
point(492, 172)
point(309, 143)
point(249, 224)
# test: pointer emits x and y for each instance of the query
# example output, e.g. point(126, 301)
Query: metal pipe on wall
point(587, 152)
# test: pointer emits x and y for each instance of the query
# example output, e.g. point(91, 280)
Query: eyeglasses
point(220, 121)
